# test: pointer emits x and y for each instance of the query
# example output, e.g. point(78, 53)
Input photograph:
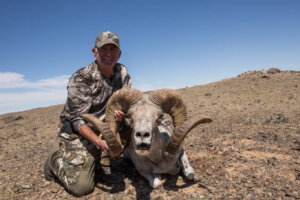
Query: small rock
point(16, 189)
point(295, 194)
point(18, 117)
point(244, 180)
point(291, 194)
point(47, 183)
point(26, 186)
point(55, 190)
point(270, 194)
point(273, 70)
point(211, 189)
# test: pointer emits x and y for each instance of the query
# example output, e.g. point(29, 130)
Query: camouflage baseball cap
point(107, 37)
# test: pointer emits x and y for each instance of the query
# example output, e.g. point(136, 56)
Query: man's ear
point(94, 50)
point(120, 53)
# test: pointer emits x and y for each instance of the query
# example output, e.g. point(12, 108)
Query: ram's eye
point(158, 121)
point(128, 120)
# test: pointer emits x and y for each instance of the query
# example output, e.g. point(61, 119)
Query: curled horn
point(171, 103)
point(174, 142)
point(120, 100)
point(114, 145)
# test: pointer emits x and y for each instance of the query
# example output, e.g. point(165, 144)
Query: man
point(73, 160)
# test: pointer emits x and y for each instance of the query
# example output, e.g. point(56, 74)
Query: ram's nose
point(142, 135)
point(142, 139)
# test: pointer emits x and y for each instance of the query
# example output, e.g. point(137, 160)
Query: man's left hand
point(119, 115)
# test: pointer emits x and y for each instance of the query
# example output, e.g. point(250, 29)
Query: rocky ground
point(250, 151)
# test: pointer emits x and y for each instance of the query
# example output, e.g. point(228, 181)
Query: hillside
point(250, 151)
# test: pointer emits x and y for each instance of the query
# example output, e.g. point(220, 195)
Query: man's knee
point(84, 185)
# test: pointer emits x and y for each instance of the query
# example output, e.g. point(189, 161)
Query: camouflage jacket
point(89, 91)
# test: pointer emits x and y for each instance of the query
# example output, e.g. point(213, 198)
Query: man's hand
point(119, 115)
point(101, 144)
point(89, 134)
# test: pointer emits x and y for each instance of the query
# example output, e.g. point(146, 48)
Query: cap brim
point(108, 42)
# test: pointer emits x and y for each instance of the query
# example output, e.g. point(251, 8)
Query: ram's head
point(143, 114)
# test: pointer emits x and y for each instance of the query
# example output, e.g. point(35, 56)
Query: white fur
point(187, 169)
point(154, 181)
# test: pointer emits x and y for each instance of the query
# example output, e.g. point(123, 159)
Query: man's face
point(107, 56)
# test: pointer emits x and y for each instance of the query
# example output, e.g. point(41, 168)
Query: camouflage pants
point(75, 163)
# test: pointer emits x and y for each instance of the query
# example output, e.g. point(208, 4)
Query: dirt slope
point(250, 151)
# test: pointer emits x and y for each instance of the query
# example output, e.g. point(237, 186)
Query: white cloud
point(59, 81)
point(10, 80)
point(10, 77)
point(30, 94)
point(12, 99)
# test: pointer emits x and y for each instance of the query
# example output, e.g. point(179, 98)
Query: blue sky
point(165, 43)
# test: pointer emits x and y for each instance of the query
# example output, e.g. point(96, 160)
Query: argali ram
point(152, 147)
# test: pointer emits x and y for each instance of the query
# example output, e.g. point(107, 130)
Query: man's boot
point(50, 166)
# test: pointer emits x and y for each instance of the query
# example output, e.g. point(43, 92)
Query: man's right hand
point(101, 144)
point(89, 134)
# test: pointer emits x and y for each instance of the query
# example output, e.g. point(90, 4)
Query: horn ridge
point(174, 143)
point(171, 103)
point(114, 145)
point(122, 100)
